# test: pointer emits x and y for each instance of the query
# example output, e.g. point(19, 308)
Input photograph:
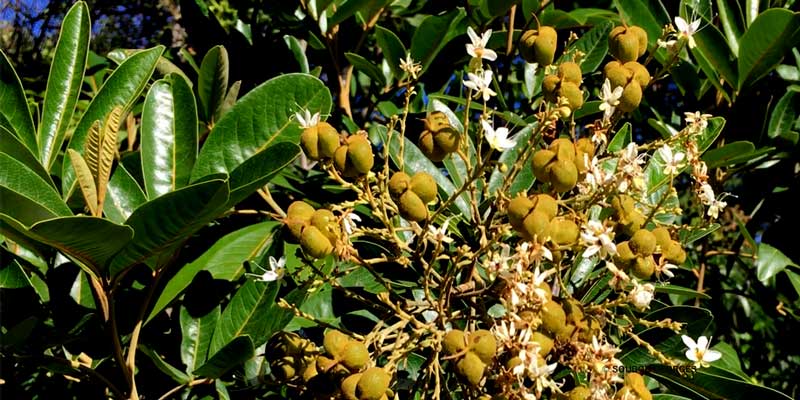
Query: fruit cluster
point(439, 137)
point(472, 352)
point(565, 83)
point(320, 141)
point(352, 156)
point(539, 45)
point(291, 357)
point(637, 254)
point(318, 231)
point(627, 43)
point(412, 194)
point(346, 362)
point(562, 162)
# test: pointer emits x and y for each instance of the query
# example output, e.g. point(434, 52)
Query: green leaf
point(712, 383)
point(197, 333)
point(12, 275)
point(239, 350)
point(728, 154)
point(123, 197)
point(163, 224)
point(771, 36)
point(122, 88)
point(784, 116)
point(14, 148)
point(363, 65)
point(366, 8)
point(434, 32)
point(728, 16)
point(64, 82)
point(81, 291)
point(245, 315)
point(496, 8)
point(392, 48)
point(259, 169)
point(298, 50)
point(18, 178)
point(14, 114)
point(696, 322)
point(224, 260)
point(716, 52)
point(770, 262)
point(680, 290)
point(168, 135)
point(594, 44)
point(261, 118)
point(621, 139)
point(163, 366)
point(794, 278)
point(508, 158)
point(213, 82)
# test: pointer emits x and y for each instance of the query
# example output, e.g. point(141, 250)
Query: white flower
point(440, 234)
point(686, 30)
point(349, 222)
point(307, 120)
point(708, 198)
point(412, 67)
point(598, 237)
point(276, 270)
point(672, 161)
point(697, 119)
point(498, 139)
point(715, 208)
point(477, 48)
point(699, 351)
point(539, 280)
point(619, 275)
point(641, 295)
point(610, 99)
point(481, 84)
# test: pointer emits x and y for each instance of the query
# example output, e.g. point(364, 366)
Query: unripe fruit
point(428, 147)
point(550, 86)
point(631, 97)
point(436, 121)
point(570, 72)
point(623, 204)
point(359, 153)
point(573, 309)
point(633, 222)
point(553, 317)
point(424, 186)
point(447, 139)
point(663, 238)
point(610, 65)
point(348, 386)
point(563, 231)
point(623, 44)
point(579, 393)
point(563, 175)
point(518, 208)
point(548, 293)
point(541, 161)
point(314, 242)
point(566, 333)
point(644, 267)
point(546, 204)
point(674, 253)
point(618, 76)
point(564, 149)
point(545, 342)
point(398, 184)
point(471, 368)
point(411, 207)
point(624, 254)
point(454, 342)
point(643, 242)
point(536, 225)
point(483, 344)
point(635, 382)
point(641, 38)
point(539, 46)
point(284, 368)
point(572, 93)
point(325, 364)
point(298, 215)
point(325, 221)
point(373, 384)
point(309, 141)
point(639, 72)
point(319, 141)
point(584, 152)
point(355, 355)
point(335, 342)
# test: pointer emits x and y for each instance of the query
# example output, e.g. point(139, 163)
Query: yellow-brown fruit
point(579, 393)
point(373, 384)
point(348, 386)
point(309, 142)
point(546, 204)
point(411, 207)
point(550, 86)
point(662, 237)
point(548, 293)
point(314, 242)
point(518, 208)
point(563, 175)
point(310, 371)
point(541, 162)
point(610, 65)
point(335, 342)
point(566, 333)
point(618, 76)
point(623, 204)
point(643, 242)
point(572, 93)
point(285, 368)
point(341, 162)
point(639, 72)
point(535, 225)
point(289, 344)
point(570, 72)
point(631, 97)
point(545, 342)
point(644, 267)
point(298, 215)
point(326, 364)
point(573, 309)
point(635, 382)
point(564, 149)
point(359, 153)
point(447, 139)
point(471, 368)
point(624, 46)
point(454, 342)
point(424, 186)
point(319, 141)
point(584, 152)
point(674, 253)
point(429, 147)
point(563, 231)
point(526, 45)
point(589, 329)
point(513, 362)
point(483, 344)
point(641, 38)
point(436, 121)
point(553, 317)
point(633, 222)
point(624, 254)
point(326, 222)
point(398, 184)
point(545, 46)
point(355, 355)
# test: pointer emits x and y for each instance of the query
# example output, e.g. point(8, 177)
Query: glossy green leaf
point(230, 98)
point(621, 139)
point(770, 262)
point(784, 116)
point(122, 88)
point(245, 315)
point(13, 147)
point(81, 291)
point(18, 178)
point(177, 375)
point(64, 82)
point(213, 82)
point(196, 337)
point(713, 383)
point(496, 8)
point(366, 8)
point(794, 278)
point(679, 290)
point(434, 32)
point(714, 47)
point(362, 64)
point(392, 49)
point(594, 46)
point(163, 224)
point(298, 50)
point(508, 158)
point(12, 275)
point(259, 169)
point(261, 118)
point(224, 260)
point(164, 66)
point(770, 37)
point(14, 114)
point(696, 322)
point(168, 136)
point(729, 17)
point(124, 196)
point(237, 351)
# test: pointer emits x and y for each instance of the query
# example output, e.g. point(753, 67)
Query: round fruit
point(298, 215)
point(326, 222)
point(563, 231)
point(348, 386)
point(342, 163)
point(454, 342)
point(553, 317)
point(328, 140)
point(579, 393)
point(623, 45)
point(424, 186)
point(526, 42)
point(624, 253)
point(641, 37)
point(563, 175)
point(643, 242)
point(662, 237)
point(545, 343)
point(483, 344)
point(436, 121)
point(573, 94)
point(644, 267)
point(429, 147)
point(584, 152)
point(631, 97)
point(550, 86)
point(541, 163)
point(411, 207)
point(398, 184)
point(618, 76)
point(535, 225)
point(447, 139)
point(545, 46)
point(314, 242)
point(546, 204)
point(325, 364)
point(334, 343)
point(373, 384)
point(674, 253)
point(471, 368)
point(355, 355)
point(518, 208)
point(359, 153)
point(610, 65)
point(564, 149)
point(640, 73)
point(570, 72)
point(309, 141)
point(284, 369)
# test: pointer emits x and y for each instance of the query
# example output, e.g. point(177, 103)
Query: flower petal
point(473, 37)
point(489, 54)
point(681, 24)
point(702, 343)
point(691, 355)
point(711, 356)
point(689, 342)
